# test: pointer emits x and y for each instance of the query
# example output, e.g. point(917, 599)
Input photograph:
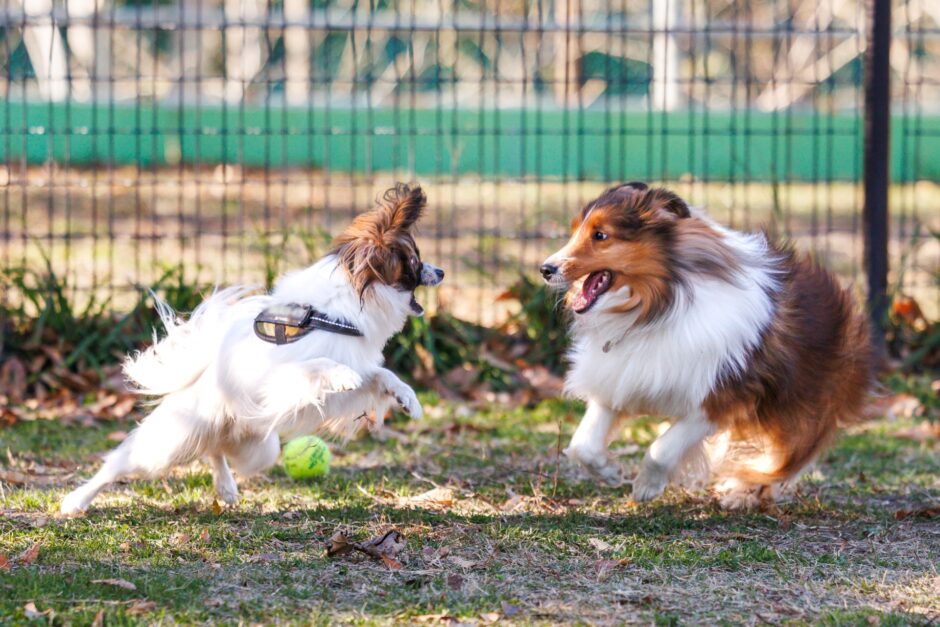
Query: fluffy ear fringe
point(401, 206)
point(365, 248)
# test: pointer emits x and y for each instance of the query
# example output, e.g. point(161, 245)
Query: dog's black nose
point(548, 270)
point(439, 273)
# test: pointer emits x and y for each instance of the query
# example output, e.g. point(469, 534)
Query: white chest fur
point(670, 366)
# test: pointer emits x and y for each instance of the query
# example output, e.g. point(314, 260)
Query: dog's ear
point(663, 204)
point(401, 206)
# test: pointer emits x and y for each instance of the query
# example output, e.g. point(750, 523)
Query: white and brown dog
point(226, 395)
point(747, 345)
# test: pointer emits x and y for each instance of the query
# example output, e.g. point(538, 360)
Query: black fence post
point(877, 162)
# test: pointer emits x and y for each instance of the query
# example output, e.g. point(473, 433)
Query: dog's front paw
point(598, 463)
point(650, 483)
point(227, 490)
point(406, 399)
point(74, 503)
point(343, 378)
point(739, 495)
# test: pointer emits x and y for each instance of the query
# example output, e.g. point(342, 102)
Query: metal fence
point(230, 138)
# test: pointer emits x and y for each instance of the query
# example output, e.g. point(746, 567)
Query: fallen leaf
point(31, 612)
point(120, 583)
point(339, 544)
point(29, 555)
point(436, 498)
point(204, 536)
point(99, 619)
point(179, 538)
point(216, 507)
point(510, 610)
point(932, 511)
point(454, 581)
point(384, 548)
point(599, 544)
point(462, 562)
point(117, 436)
point(141, 607)
point(490, 617)
point(4, 562)
point(434, 618)
point(391, 562)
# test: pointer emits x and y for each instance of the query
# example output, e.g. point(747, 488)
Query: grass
point(526, 539)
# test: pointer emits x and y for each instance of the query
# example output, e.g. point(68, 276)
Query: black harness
point(283, 324)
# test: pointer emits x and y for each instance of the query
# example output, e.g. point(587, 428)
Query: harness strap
point(287, 323)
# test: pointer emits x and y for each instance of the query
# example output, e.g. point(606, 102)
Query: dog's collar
point(286, 323)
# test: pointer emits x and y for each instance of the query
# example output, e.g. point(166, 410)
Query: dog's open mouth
point(416, 307)
point(593, 287)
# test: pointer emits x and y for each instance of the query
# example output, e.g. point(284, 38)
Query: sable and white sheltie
point(758, 353)
point(226, 395)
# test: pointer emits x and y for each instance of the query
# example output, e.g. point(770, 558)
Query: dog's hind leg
point(249, 457)
point(167, 437)
point(667, 454)
point(590, 441)
point(222, 479)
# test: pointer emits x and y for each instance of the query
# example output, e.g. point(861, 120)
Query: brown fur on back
point(810, 375)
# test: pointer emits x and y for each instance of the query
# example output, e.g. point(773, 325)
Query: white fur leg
point(167, 437)
point(589, 443)
point(390, 384)
point(667, 454)
point(341, 378)
point(250, 457)
point(223, 480)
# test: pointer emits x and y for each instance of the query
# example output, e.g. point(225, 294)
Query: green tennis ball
point(306, 457)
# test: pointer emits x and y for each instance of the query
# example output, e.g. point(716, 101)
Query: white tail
point(177, 360)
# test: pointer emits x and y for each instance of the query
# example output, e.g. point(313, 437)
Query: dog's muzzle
point(431, 275)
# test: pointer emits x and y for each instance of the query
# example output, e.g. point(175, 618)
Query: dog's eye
point(414, 261)
point(600, 236)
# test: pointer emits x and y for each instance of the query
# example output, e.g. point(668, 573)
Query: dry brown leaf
point(490, 617)
point(510, 610)
point(141, 607)
point(31, 612)
point(29, 555)
point(117, 436)
point(454, 581)
point(435, 618)
point(204, 536)
point(931, 511)
point(462, 562)
point(392, 563)
point(4, 562)
point(120, 583)
point(179, 538)
point(99, 619)
point(599, 544)
point(384, 548)
point(436, 498)
point(543, 381)
point(216, 507)
point(123, 407)
point(339, 544)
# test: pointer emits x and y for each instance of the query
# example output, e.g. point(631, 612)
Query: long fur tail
point(177, 360)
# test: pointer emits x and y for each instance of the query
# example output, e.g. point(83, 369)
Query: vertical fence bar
point(876, 162)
